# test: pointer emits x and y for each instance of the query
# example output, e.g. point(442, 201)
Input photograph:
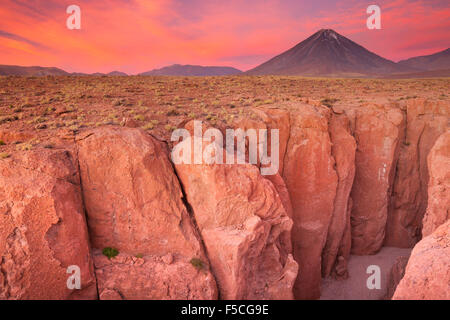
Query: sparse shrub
point(4, 155)
point(119, 102)
point(197, 263)
point(329, 102)
point(110, 252)
point(8, 119)
point(50, 109)
point(74, 127)
point(148, 126)
point(40, 126)
point(24, 147)
point(139, 117)
point(172, 112)
point(40, 119)
point(169, 127)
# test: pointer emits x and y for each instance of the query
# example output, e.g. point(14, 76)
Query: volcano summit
point(327, 53)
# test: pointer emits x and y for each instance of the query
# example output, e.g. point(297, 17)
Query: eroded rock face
point(396, 275)
point(278, 119)
point(42, 227)
point(13, 136)
point(378, 132)
point(152, 278)
point(134, 204)
point(245, 228)
point(427, 275)
point(132, 196)
point(312, 182)
point(438, 211)
point(337, 248)
point(426, 121)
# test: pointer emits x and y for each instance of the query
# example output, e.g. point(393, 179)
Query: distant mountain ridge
point(117, 74)
point(10, 70)
point(192, 70)
point(327, 53)
point(7, 70)
point(324, 54)
point(436, 61)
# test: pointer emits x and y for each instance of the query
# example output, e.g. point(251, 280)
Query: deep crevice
point(191, 214)
point(86, 220)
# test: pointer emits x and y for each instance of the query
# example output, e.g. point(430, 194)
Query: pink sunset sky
point(139, 35)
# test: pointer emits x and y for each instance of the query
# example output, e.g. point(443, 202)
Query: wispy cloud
point(8, 35)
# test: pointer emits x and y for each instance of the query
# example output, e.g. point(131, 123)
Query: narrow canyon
point(352, 183)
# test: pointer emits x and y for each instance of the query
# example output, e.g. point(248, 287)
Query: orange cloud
point(138, 35)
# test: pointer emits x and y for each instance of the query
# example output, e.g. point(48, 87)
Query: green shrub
point(197, 263)
point(110, 252)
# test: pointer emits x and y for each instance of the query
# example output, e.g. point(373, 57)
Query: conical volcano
point(327, 53)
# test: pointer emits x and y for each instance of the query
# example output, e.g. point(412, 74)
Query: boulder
point(42, 227)
point(244, 225)
point(134, 204)
point(427, 275)
point(438, 211)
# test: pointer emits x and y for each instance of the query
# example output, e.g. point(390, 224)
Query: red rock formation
point(312, 181)
point(274, 119)
point(13, 136)
point(160, 278)
point(42, 227)
point(332, 197)
point(396, 275)
point(426, 121)
point(337, 248)
point(277, 119)
point(378, 132)
point(438, 211)
point(245, 228)
point(134, 203)
point(427, 275)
